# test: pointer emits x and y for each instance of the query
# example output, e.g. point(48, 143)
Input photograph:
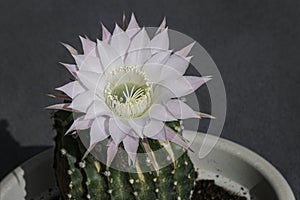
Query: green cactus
point(91, 179)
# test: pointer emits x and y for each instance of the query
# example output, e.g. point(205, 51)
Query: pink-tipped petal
point(83, 101)
point(132, 27)
point(161, 135)
point(150, 154)
point(109, 56)
point(96, 109)
point(181, 110)
point(105, 34)
point(79, 124)
point(61, 106)
point(152, 128)
point(137, 54)
point(70, 48)
point(160, 42)
point(98, 132)
point(185, 50)
point(162, 26)
point(131, 145)
point(60, 96)
point(71, 68)
point(115, 131)
point(178, 63)
point(185, 85)
point(88, 63)
point(159, 112)
point(89, 79)
point(120, 41)
point(137, 125)
point(111, 152)
point(175, 138)
point(72, 89)
point(88, 46)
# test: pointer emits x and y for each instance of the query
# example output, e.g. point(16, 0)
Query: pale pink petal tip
point(162, 26)
point(71, 49)
point(62, 106)
point(185, 50)
point(105, 34)
point(111, 152)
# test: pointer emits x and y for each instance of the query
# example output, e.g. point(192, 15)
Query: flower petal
point(160, 42)
point(120, 41)
point(89, 79)
point(88, 46)
point(132, 27)
point(185, 85)
point(98, 132)
point(79, 124)
point(96, 109)
point(115, 131)
point(70, 48)
point(72, 89)
point(162, 26)
point(137, 125)
point(131, 145)
point(105, 34)
point(161, 135)
point(111, 152)
point(137, 54)
point(88, 63)
point(181, 110)
point(71, 68)
point(175, 138)
point(159, 112)
point(178, 63)
point(108, 56)
point(61, 106)
point(185, 50)
point(83, 101)
point(153, 128)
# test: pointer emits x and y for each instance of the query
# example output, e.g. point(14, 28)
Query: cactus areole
point(126, 94)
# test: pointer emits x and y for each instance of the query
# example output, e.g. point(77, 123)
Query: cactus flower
point(127, 85)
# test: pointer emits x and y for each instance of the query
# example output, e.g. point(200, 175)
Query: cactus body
point(91, 179)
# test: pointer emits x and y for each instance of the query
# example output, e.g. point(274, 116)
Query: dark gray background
point(254, 43)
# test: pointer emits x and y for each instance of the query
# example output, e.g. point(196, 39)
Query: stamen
point(128, 99)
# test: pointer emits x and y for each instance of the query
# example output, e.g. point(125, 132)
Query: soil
point(207, 190)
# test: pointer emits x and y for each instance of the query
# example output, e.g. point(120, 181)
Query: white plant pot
point(229, 164)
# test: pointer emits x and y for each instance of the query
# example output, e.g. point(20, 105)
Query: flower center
point(128, 92)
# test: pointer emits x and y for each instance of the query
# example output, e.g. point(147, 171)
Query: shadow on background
point(11, 153)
